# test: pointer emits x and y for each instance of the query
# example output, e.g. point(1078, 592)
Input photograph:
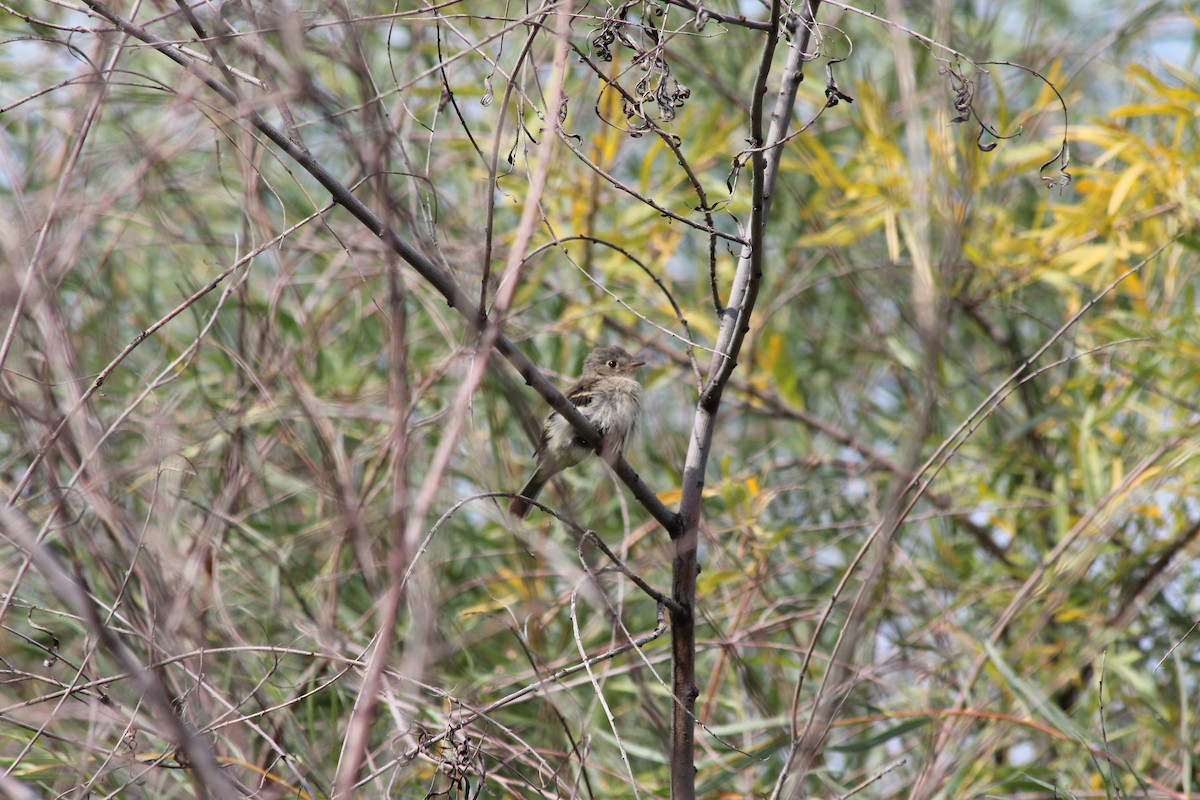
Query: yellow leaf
point(1123, 185)
point(1083, 259)
point(1149, 510)
point(1145, 476)
point(669, 496)
point(1145, 110)
point(1144, 76)
point(1134, 288)
point(1114, 149)
point(1071, 614)
point(771, 353)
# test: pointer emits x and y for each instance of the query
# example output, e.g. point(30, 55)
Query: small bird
point(608, 394)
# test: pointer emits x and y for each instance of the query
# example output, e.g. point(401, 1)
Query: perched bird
point(608, 394)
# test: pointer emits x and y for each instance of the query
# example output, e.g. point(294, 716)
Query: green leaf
point(884, 736)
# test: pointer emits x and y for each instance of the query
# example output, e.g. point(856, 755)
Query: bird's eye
point(612, 363)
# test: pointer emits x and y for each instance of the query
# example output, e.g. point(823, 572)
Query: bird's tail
point(519, 507)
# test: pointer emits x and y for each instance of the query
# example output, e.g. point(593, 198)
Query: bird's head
point(610, 361)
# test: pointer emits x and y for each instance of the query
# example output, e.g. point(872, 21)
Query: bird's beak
point(633, 364)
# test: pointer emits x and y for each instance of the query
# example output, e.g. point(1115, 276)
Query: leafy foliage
point(950, 510)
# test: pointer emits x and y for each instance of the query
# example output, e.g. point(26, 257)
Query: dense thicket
point(948, 514)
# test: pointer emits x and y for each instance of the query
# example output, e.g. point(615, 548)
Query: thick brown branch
point(735, 323)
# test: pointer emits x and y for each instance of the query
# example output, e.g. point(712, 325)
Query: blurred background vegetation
point(230, 495)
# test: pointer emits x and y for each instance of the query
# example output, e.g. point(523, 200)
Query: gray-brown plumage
point(608, 394)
